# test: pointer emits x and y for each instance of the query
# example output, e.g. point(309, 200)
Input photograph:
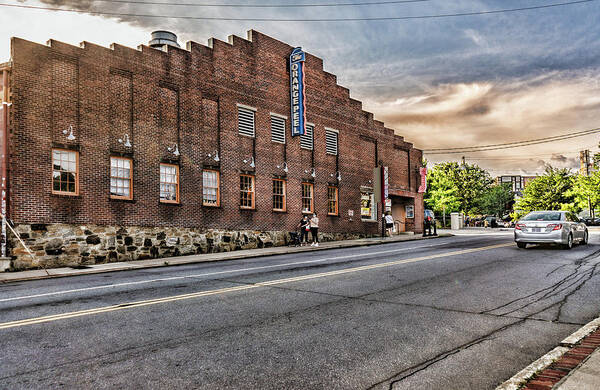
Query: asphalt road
point(463, 312)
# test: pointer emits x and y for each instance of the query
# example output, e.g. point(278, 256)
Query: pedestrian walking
point(304, 226)
point(389, 223)
point(314, 230)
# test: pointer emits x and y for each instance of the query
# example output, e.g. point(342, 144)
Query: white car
point(551, 227)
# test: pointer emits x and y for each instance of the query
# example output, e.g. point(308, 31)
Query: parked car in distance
point(491, 221)
point(550, 227)
point(591, 221)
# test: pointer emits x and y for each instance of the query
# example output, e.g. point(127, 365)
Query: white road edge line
point(105, 286)
point(525, 374)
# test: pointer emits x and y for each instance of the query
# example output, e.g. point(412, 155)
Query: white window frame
point(118, 177)
point(241, 107)
point(337, 141)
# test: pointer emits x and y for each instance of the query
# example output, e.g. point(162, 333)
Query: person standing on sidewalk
point(389, 223)
point(314, 230)
point(304, 226)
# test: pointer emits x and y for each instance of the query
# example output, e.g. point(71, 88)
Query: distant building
point(518, 182)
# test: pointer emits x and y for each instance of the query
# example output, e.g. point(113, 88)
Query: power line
point(264, 5)
point(383, 18)
point(517, 142)
point(510, 145)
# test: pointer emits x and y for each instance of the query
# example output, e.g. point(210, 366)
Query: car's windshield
point(547, 216)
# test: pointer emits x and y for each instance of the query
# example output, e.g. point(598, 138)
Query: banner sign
point(297, 97)
point(423, 186)
point(386, 182)
point(381, 184)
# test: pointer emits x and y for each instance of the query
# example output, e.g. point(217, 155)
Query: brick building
point(118, 154)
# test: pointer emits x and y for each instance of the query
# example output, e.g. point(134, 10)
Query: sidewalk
point(574, 365)
point(7, 277)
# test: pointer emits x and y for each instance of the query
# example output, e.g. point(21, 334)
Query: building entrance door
point(399, 215)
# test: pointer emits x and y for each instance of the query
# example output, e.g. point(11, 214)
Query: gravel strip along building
point(119, 154)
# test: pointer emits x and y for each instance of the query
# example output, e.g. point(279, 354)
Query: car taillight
point(520, 226)
point(556, 226)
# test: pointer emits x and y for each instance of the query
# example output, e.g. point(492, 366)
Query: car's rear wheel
point(585, 239)
point(522, 245)
point(569, 243)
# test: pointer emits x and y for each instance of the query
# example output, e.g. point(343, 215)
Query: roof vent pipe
point(162, 38)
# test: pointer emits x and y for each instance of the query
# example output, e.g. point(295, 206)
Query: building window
point(121, 178)
point(307, 197)
point(368, 210)
point(331, 141)
point(65, 172)
point(169, 183)
point(247, 191)
point(246, 121)
point(210, 188)
point(332, 200)
point(277, 128)
point(307, 139)
point(279, 195)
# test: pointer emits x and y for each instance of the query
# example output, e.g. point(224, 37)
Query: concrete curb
point(545, 361)
point(525, 374)
point(9, 277)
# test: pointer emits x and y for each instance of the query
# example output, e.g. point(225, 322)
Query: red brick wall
point(187, 97)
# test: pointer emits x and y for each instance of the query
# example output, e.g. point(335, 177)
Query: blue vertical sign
point(297, 97)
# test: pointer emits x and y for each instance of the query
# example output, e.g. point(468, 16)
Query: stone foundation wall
point(60, 245)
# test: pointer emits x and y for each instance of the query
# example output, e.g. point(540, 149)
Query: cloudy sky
point(439, 82)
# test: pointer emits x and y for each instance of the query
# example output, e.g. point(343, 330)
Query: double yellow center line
point(131, 305)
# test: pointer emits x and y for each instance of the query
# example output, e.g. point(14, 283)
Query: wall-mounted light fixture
point(70, 137)
point(251, 161)
point(313, 173)
point(125, 143)
point(174, 149)
point(339, 176)
point(285, 167)
point(216, 156)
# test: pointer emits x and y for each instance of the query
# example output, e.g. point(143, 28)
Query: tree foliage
point(584, 188)
point(550, 191)
point(495, 200)
point(455, 187)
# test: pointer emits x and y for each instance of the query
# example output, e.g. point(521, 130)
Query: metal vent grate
point(307, 139)
point(331, 142)
point(246, 122)
point(277, 129)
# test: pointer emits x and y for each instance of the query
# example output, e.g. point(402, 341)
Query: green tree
point(584, 188)
point(550, 191)
point(441, 194)
point(495, 200)
point(456, 187)
point(596, 160)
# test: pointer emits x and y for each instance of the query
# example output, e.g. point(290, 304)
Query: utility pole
point(584, 162)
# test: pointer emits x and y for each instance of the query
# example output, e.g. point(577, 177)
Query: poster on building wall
point(297, 96)
point(366, 206)
point(410, 211)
